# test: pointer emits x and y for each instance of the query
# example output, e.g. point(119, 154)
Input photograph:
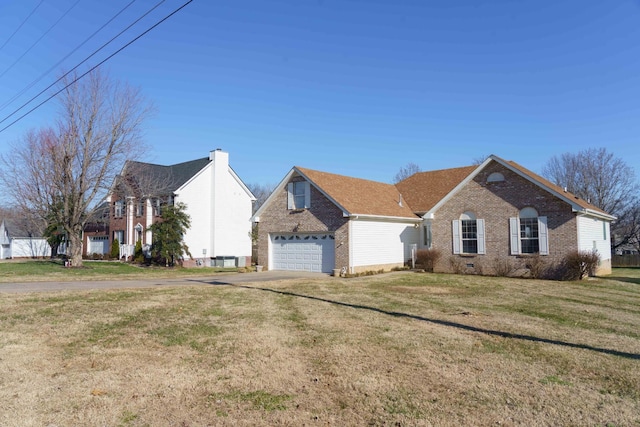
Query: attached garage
point(303, 252)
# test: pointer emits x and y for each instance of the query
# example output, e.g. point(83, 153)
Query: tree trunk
point(75, 249)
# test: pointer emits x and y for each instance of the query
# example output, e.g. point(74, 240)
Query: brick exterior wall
point(323, 216)
point(120, 223)
point(496, 202)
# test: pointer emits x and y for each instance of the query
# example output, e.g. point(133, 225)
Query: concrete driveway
point(214, 279)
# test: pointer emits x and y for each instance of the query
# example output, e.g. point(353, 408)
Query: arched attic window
point(495, 177)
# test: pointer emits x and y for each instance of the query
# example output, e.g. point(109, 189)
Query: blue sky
point(359, 88)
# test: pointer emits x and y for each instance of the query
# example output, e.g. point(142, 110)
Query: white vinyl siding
point(26, 247)
point(591, 236)
point(220, 212)
point(381, 243)
point(516, 241)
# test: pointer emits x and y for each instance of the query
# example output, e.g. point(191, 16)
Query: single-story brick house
point(474, 215)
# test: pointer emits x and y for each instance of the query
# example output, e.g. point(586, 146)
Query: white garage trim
point(314, 252)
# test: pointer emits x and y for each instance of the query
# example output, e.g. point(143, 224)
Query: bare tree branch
point(64, 172)
point(603, 180)
point(262, 192)
point(406, 171)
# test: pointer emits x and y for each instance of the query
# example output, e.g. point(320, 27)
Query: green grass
point(44, 270)
point(626, 274)
point(553, 379)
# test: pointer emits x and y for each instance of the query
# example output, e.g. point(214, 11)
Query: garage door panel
point(303, 252)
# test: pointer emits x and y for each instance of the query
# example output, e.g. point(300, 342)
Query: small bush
point(537, 267)
point(457, 265)
point(138, 255)
point(502, 267)
point(427, 258)
point(115, 249)
point(580, 264)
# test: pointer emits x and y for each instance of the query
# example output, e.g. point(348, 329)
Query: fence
point(625, 260)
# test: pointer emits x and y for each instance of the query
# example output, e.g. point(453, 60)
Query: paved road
point(214, 279)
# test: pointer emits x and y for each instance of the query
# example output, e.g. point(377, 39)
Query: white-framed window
point(468, 234)
point(140, 207)
point(428, 236)
point(529, 233)
point(157, 206)
point(118, 209)
point(119, 234)
point(299, 195)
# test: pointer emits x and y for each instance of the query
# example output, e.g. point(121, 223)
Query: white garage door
point(303, 252)
point(98, 245)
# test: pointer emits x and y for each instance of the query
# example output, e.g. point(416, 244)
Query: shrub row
point(575, 266)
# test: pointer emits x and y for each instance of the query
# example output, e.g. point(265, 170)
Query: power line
point(78, 65)
point(7, 103)
point(96, 66)
point(41, 37)
point(23, 22)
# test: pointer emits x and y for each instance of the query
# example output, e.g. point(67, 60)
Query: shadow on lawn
point(633, 275)
point(443, 322)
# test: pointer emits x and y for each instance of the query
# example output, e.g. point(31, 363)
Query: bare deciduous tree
point(480, 159)
point(602, 179)
point(262, 192)
point(63, 172)
point(406, 171)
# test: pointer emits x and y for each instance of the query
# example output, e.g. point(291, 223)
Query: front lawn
point(394, 349)
point(54, 270)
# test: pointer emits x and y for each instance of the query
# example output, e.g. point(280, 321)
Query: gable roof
point(559, 191)
point(167, 178)
point(423, 190)
point(20, 227)
point(356, 196)
point(421, 194)
point(427, 191)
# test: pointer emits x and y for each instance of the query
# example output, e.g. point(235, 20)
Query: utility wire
point(96, 66)
point(20, 26)
point(78, 65)
point(41, 37)
point(67, 56)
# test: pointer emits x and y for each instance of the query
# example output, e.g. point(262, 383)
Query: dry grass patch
point(394, 349)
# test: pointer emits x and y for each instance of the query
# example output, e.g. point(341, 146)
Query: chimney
point(218, 155)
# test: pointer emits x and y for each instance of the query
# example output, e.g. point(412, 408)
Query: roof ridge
point(342, 176)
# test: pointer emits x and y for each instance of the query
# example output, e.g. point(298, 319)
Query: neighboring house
point(218, 203)
point(475, 216)
point(95, 235)
point(17, 241)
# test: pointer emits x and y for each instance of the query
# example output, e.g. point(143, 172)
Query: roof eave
point(386, 217)
point(594, 213)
